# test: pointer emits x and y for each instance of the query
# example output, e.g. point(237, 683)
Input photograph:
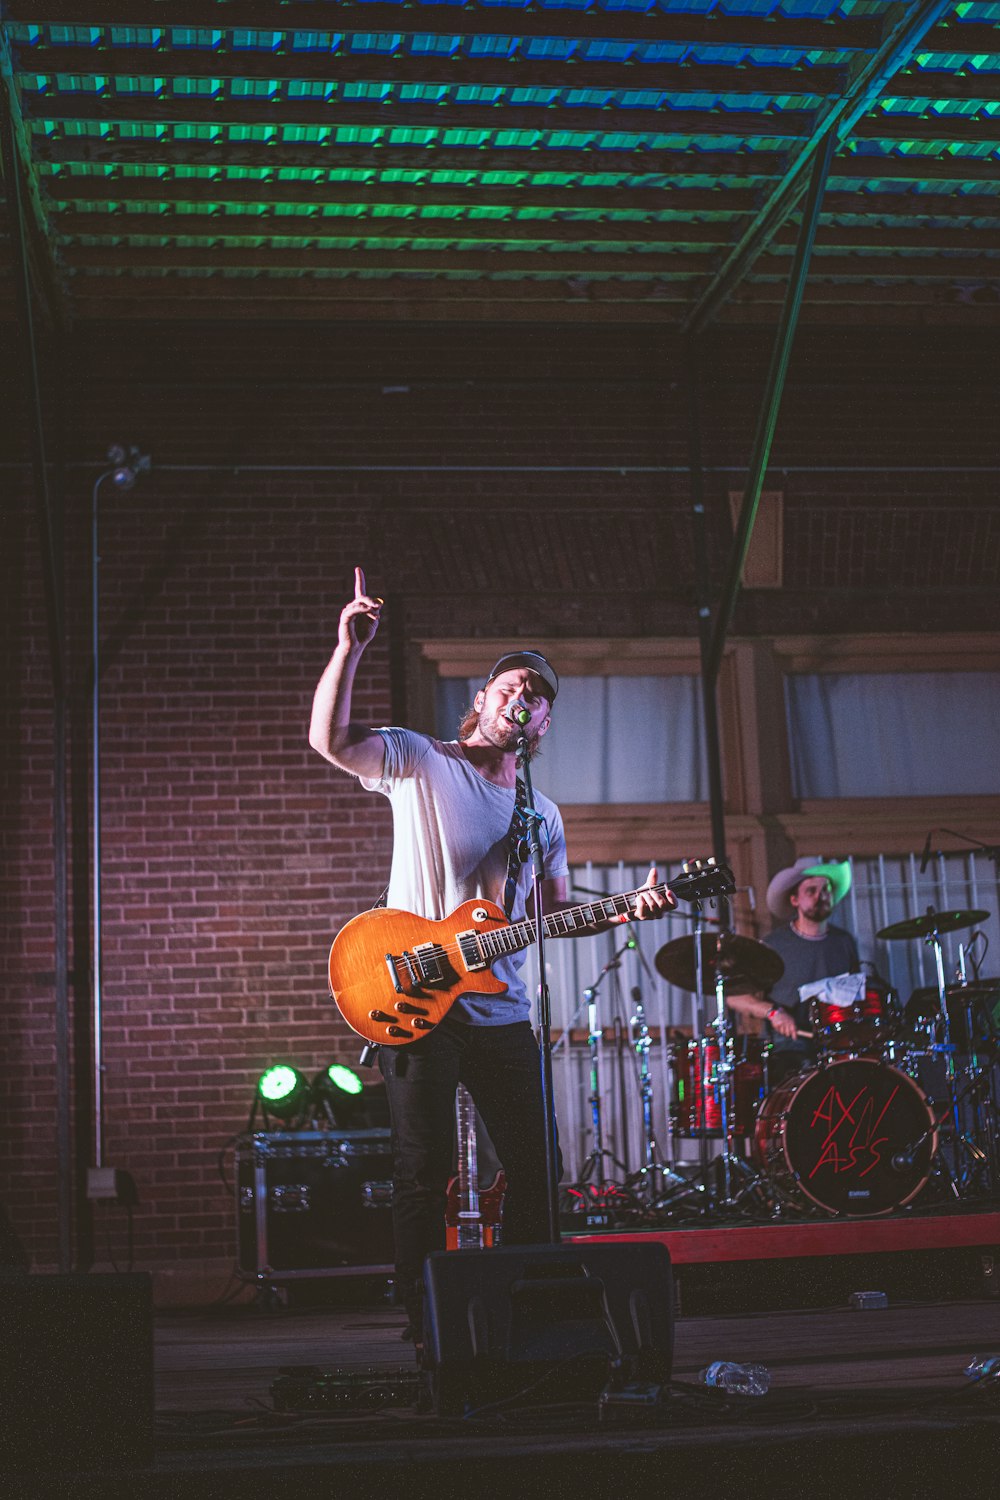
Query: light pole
point(126, 466)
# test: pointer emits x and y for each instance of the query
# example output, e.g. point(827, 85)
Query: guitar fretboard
point(518, 935)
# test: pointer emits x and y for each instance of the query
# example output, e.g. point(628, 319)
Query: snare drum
point(865, 1025)
point(696, 1108)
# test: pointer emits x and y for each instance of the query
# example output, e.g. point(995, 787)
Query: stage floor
point(860, 1401)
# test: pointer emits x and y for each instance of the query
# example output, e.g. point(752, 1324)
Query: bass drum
point(853, 1136)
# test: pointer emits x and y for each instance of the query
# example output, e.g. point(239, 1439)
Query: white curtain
point(894, 734)
point(612, 739)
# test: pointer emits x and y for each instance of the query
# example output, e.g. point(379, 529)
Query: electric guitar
point(394, 976)
point(472, 1216)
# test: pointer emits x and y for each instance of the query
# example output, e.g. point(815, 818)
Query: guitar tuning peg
point(686, 867)
point(711, 860)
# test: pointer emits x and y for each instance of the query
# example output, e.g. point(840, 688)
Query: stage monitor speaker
point(76, 1371)
point(545, 1322)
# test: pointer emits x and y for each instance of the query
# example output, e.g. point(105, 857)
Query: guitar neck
point(470, 1229)
point(518, 935)
point(696, 882)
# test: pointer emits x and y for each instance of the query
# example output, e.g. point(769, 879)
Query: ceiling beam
point(336, 69)
point(560, 199)
point(854, 35)
point(213, 228)
point(334, 156)
point(65, 189)
point(851, 35)
point(905, 29)
point(799, 125)
point(350, 114)
point(482, 261)
point(339, 68)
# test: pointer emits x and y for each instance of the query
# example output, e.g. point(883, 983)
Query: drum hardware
point(593, 1169)
point(655, 1179)
point(969, 1155)
point(710, 1083)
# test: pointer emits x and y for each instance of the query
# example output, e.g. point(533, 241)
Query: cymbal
point(744, 963)
point(931, 921)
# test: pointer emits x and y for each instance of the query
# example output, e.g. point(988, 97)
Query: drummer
point(811, 947)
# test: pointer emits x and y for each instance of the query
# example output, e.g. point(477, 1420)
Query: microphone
point(925, 857)
point(517, 713)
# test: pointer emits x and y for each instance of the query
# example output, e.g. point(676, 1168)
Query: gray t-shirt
point(450, 830)
point(806, 960)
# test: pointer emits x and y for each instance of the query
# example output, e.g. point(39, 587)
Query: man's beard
point(504, 734)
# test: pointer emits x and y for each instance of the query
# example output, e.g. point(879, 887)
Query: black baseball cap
point(535, 662)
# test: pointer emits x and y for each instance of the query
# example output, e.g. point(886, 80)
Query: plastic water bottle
point(984, 1367)
point(736, 1380)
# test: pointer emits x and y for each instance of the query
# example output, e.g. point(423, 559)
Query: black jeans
point(499, 1065)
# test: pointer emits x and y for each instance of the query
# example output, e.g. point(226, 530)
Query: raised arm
point(352, 747)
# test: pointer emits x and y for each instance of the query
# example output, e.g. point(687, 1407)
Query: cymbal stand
point(960, 1143)
point(593, 1167)
point(654, 1176)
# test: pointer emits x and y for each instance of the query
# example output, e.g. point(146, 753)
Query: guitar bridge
point(392, 964)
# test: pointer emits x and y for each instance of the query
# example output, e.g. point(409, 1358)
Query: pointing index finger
point(359, 583)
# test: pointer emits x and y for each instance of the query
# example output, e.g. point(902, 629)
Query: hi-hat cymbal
point(744, 963)
point(931, 921)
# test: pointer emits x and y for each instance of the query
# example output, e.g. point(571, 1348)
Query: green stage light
point(282, 1090)
point(343, 1078)
point(344, 1100)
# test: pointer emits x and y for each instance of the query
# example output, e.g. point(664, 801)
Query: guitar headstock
point(701, 879)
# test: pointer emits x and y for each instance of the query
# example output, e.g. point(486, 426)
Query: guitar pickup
point(430, 961)
point(472, 953)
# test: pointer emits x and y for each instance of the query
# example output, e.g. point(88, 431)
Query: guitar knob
point(421, 1025)
point(397, 1031)
point(378, 1015)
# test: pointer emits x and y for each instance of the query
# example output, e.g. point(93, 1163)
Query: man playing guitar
point(453, 806)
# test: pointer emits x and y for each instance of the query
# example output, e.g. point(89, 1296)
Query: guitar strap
point(517, 847)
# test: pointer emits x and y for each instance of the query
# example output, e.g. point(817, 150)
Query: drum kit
point(889, 1101)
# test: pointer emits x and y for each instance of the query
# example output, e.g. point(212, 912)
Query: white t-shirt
point(450, 830)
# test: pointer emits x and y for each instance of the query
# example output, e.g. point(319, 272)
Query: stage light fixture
point(341, 1097)
point(343, 1078)
point(282, 1090)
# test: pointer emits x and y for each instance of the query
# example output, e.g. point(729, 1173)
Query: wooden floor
point(861, 1402)
point(226, 1362)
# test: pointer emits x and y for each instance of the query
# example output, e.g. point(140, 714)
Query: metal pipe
point(770, 406)
point(703, 585)
point(97, 992)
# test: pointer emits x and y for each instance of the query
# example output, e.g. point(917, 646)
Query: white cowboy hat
point(785, 883)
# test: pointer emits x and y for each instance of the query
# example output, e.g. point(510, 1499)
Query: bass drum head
point(846, 1136)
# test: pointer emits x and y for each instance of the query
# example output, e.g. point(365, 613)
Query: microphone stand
point(533, 820)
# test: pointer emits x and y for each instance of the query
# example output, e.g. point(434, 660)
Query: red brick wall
point(231, 852)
